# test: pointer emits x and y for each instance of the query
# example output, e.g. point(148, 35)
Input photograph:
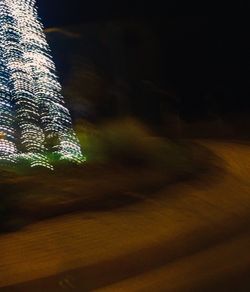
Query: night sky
point(62, 12)
point(208, 49)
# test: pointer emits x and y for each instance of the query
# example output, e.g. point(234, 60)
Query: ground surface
point(191, 236)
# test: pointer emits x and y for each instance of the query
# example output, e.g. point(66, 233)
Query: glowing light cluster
point(32, 110)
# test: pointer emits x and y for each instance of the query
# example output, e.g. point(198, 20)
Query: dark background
point(204, 51)
point(59, 12)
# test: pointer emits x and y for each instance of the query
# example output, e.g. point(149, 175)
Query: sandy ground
point(191, 236)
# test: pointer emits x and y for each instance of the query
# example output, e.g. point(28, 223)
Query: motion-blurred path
point(191, 236)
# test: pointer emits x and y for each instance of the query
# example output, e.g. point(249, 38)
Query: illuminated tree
point(32, 110)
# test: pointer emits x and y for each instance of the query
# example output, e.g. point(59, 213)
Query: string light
point(32, 109)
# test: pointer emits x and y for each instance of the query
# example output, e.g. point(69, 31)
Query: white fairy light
point(30, 98)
